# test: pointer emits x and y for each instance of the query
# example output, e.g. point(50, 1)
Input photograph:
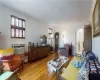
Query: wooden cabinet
point(35, 53)
point(56, 41)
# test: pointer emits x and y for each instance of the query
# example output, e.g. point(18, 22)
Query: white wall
point(96, 40)
point(69, 31)
point(34, 28)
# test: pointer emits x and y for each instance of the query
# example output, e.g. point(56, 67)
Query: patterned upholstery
point(82, 73)
point(93, 68)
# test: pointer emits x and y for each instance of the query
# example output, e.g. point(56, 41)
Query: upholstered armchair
point(10, 60)
point(14, 63)
point(8, 75)
point(62, 52)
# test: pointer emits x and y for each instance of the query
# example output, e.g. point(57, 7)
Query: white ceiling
point(52, 11)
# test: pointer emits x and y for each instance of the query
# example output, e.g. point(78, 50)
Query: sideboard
point(35, 53)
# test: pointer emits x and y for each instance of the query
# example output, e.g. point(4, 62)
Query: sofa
point(85, 67)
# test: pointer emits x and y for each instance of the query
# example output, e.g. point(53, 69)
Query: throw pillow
point(76, 64)
point(91, 56)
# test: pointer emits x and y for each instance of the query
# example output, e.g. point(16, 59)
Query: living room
point(35, 32)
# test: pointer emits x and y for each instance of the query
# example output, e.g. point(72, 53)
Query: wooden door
point(88, 38)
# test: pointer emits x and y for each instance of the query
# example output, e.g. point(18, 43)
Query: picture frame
point(96, 19)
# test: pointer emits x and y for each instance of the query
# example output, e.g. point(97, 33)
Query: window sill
point(17, 37)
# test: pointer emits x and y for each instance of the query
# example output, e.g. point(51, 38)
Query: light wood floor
point(38, 70)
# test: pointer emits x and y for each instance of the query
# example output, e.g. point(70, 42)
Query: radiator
point(19, 48)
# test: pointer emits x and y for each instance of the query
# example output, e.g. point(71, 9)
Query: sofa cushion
point(82, 74)
point(93, 68)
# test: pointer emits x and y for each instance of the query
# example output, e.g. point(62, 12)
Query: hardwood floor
point(37, 70)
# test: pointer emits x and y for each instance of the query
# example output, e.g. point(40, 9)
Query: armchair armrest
point(1, 67)
point(14, 73)
point(5, 61)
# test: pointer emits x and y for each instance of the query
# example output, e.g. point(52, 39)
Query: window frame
point(22, 28)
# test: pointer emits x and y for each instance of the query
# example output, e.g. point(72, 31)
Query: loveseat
point(87, 68)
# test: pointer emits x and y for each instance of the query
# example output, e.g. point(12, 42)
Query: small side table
point(56, 68)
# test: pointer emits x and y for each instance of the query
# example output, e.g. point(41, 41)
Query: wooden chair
point(13, 64)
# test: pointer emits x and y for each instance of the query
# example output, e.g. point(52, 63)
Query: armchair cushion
point(15, 64)
point(5, 75)
point(17, 57)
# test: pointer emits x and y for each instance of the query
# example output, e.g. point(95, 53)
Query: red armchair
point(14, 63)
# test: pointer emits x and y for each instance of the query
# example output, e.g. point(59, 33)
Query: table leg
point(57, 74)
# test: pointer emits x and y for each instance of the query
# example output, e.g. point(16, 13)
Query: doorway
point(79, 40)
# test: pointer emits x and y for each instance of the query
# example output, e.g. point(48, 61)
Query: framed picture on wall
point(96, 19)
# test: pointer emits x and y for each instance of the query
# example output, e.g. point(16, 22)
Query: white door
point(79, 40)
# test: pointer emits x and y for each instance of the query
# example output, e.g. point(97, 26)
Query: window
point(17, 27)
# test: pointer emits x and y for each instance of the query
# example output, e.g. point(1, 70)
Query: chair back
point(62, 52)
point(67, 46)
